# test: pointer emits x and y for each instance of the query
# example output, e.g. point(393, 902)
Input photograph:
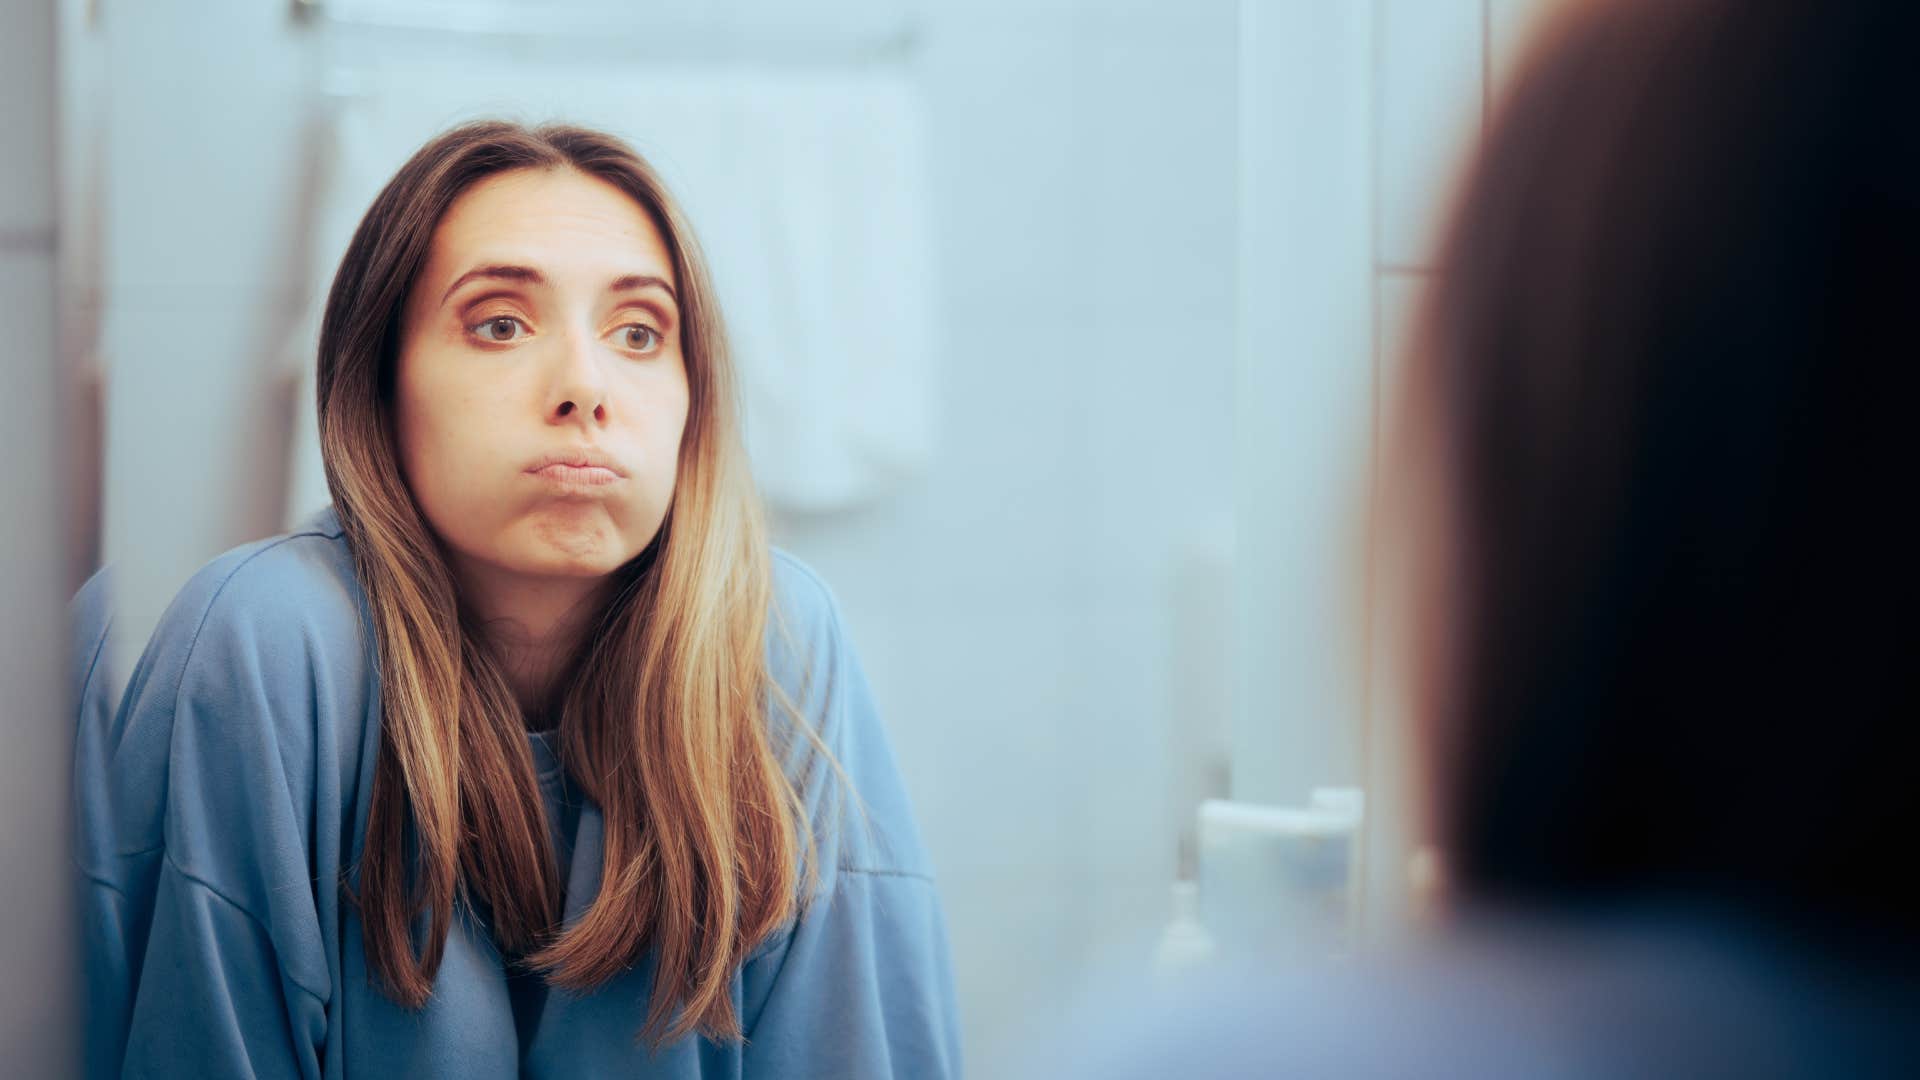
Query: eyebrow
point(643, 281)
point(527, 275)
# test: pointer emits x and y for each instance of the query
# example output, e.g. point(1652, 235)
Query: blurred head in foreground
point(1649, 461)
point(1642, 501)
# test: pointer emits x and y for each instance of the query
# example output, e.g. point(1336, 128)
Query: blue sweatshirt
point(224, 799)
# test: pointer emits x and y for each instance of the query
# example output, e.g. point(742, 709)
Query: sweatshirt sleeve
point(862, 988)
point(862, 984)
point(203, 944)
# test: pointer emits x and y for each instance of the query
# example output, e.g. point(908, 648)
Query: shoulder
point(90, 618)
point(271, 629)
point(857, 798)
point(298, 585)
point(806, 639)
point(257, 671)
point(803, 604)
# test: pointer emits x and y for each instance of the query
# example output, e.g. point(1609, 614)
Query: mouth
point(577, 468)
point(588, 475)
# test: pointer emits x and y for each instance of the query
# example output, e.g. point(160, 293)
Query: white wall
point(1029, 614)
point(1356, 120)
point(1304, 393)
point(203, 107)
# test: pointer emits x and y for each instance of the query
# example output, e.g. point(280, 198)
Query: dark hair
point(1665, 374)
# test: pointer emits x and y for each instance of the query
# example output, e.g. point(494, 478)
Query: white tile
point(1428, 103)
point(194, 448)
point(1162, 21)
point(27, 114)
point(1303, 395)
point(1007, 166)
point(208, 150)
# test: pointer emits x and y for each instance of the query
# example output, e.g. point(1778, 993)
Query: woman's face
point(542, 392)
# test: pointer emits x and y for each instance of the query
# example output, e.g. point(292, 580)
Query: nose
point(578, 391)
point(569, 408)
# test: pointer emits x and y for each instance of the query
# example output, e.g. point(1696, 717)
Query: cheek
point(413, 435)
point(673, 420)
point(662, 404)
point(435, 430)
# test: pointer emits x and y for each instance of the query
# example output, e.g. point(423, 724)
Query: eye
point(497, 330)
point(640, 337)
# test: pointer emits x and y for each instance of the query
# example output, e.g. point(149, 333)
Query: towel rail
point(745, 36)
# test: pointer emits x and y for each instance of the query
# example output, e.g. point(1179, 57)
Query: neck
point(533, 624)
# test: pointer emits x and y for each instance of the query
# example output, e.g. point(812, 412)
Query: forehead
point(561, 220)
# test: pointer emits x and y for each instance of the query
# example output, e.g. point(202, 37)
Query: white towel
point(808, 189)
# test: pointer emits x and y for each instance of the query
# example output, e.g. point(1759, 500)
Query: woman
point(1646, 492)
point(528, 757)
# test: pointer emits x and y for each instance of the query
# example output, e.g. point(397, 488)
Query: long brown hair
point(663, 719)
point(1664, 383)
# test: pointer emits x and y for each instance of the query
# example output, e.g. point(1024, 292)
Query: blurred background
point(1064, 325)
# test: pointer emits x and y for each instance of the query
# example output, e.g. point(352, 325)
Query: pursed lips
point(587, 468)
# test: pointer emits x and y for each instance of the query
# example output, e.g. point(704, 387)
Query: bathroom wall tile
point(1428, 101)
point(27, 115)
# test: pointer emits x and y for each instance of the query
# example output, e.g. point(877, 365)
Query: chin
point(553, 564)
point(569, 547)
point(548, 560)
